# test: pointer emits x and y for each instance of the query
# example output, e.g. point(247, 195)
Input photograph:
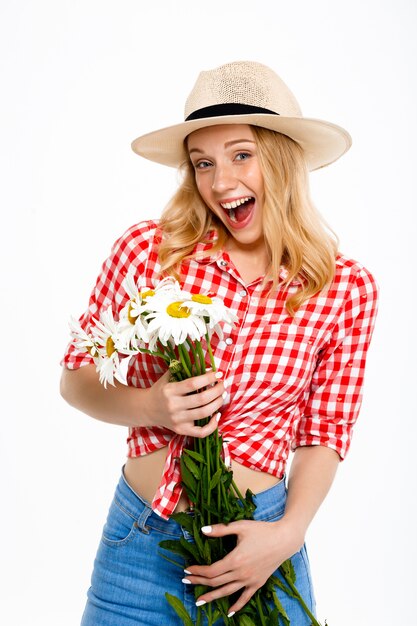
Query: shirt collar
point(203, 256)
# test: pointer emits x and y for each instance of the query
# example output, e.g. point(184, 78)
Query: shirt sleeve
point(335, 393)
point(129, 253)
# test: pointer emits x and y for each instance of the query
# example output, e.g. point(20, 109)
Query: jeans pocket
point(120, 526)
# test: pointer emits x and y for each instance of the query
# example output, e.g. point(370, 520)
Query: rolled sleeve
point(130, 253)
point(335, 393)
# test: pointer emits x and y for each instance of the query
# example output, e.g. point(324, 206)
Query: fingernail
point(218, 416)
point(219, 374)
point(206, 529)
point(186, 571)
point(231, 613)
point(186, 581)
point(200, 602)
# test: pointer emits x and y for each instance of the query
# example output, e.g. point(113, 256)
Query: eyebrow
point(228, 144)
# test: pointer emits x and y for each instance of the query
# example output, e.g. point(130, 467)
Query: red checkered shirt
point(290, 381)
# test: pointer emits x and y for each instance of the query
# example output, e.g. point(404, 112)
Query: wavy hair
point(295, 234)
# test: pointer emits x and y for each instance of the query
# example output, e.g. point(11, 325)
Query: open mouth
point(238, 211)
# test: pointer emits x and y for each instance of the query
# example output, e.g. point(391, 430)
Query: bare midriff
point(144, 473)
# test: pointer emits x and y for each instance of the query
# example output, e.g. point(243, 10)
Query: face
point(229, 178)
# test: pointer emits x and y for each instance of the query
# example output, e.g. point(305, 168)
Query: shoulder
point(350, 272)
point(354, 282)
point(139, 236)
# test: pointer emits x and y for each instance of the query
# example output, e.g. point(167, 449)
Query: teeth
point(232, 216)
point(235, 203)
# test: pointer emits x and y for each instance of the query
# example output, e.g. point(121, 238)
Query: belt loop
point(143, 518)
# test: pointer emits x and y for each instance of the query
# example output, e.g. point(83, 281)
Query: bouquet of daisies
point(177, 326)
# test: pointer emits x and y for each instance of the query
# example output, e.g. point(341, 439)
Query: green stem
point(201, 358)
point(295, 591)
point(183, 354)
point(237, 492)
point(157, 353)
point(194, 355)
point(208, 490)
point(185, 359)
point(210, 351)
point(260, 609)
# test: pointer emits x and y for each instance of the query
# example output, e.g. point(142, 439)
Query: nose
point(223, 178)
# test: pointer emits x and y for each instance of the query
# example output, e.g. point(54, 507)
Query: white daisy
point(213, 310)
point(166, 291)
point(82, 340)
point(132, 326)
point(108, 361)
point(171, 320)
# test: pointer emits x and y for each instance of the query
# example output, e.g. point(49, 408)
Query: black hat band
point(232, 108)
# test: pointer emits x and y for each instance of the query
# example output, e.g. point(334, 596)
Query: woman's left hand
point(260, 550)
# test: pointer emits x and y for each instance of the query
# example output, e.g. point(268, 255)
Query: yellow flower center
point(110, 347)
point(146, 294)
point(201, 299)
point(175, 309)
point(130, 317)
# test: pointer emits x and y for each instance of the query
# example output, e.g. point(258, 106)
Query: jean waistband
point(269, 503)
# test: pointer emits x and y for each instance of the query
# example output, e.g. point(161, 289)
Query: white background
point(80, 80)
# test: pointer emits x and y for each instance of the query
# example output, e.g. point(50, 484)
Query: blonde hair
point(295, 234)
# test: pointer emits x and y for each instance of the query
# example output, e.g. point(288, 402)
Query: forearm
point(312, 472)
point(116, 405)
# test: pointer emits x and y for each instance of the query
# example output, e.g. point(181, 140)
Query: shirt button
point(242, 293)
point(229, 341)
point(224, 263)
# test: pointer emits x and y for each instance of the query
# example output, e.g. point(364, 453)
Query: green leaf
point(207, 552)
point(227, 479)
point(179, 609)
point(191, 548)
point(195, 455)
point(245, 620)
point(280, 611)
point(281, 585)
point(164, 556)
point(184, 520)
point(197, 537)
point(188, 479)
point(288, 571)
point(192, 466)
point(199, 590)
point(174, 545)
point(215, 479)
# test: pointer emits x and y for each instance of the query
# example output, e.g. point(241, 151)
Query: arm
point(313, 469)
point(167, 404)
point(263, 546)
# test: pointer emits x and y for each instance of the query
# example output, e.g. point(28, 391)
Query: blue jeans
point(130, 576)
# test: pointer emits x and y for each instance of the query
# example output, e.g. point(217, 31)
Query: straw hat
point(245, 92)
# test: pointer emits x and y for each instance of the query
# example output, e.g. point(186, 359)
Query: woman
point(241, 225)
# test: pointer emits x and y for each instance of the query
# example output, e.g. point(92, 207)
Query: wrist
point(292, 531)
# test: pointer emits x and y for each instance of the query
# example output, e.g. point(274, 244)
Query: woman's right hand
point(177, 405)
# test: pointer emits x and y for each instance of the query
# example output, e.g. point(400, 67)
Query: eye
point(202, 165)
point(242, 156)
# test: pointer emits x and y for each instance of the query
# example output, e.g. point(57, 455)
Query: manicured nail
point(186, 581)
point(231, 613)
point(206, 529)
point(186, 571)
point(218, 416)
point(200, 602)
point(219, 374)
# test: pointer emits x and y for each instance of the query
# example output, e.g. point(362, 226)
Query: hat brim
point(322, 142)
